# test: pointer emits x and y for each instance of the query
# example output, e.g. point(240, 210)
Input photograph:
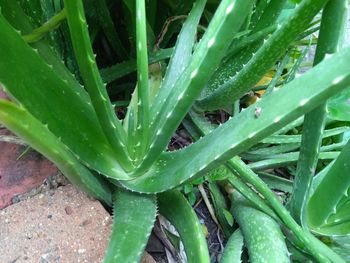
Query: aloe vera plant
point(123, 160)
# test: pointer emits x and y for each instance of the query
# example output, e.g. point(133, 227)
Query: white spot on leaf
point(229, 8)
point(194, 73)
point(211, 42)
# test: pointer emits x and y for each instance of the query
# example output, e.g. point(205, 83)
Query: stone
point(19, 176)
point(64, 225)
point(40, 229)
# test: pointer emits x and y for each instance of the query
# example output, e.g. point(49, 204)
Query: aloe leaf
point(341, 246)
point(38, 136)
point(122, 69)
point(143, 104)
point(278, 74)
point(233, 249)
point(268, 16)
point(318, 250)
point(295, 67)
point(282, 148)
point(328, 42)
point(59, 39)
point(232, 178)
point(17, 18)
point(286, 159)
point(229, 68)
point(133, 218)
point(250, 194)
point(112, 127)
point(266, 153)
point(333, 146)
point(259, 9)
point(280, 139)
point(106, 22)
point(262, 235)
point(291, 125)
point(204, 60)
point(269, 152)
point(277, 182)
point(220, 206)
point(38, 83)
point(174, 207)
point(338, 107)
point(49, 25)
point(327, 209)
point(33, 10)
point(264, 58)
point(245, 129)
point(181, 56)
point(248, 40)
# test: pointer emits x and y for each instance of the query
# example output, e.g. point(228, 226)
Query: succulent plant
point(124, 162)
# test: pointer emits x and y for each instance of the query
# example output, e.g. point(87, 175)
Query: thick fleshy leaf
point(206, 57)
point(262, 234)
point(233, 249)
point(246, 129)
point(111, 126)
point(181, 56)
point(174, 206)
point(339, 106)
point(265, 58)
point(38, 136)
point(51, 100)
point(328, 209)
point(133, 218)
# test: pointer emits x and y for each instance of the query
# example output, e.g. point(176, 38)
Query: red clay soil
point(20, 176)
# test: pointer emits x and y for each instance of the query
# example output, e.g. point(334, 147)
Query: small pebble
point(68, 210)
point(81, 250)
point(85, 222)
